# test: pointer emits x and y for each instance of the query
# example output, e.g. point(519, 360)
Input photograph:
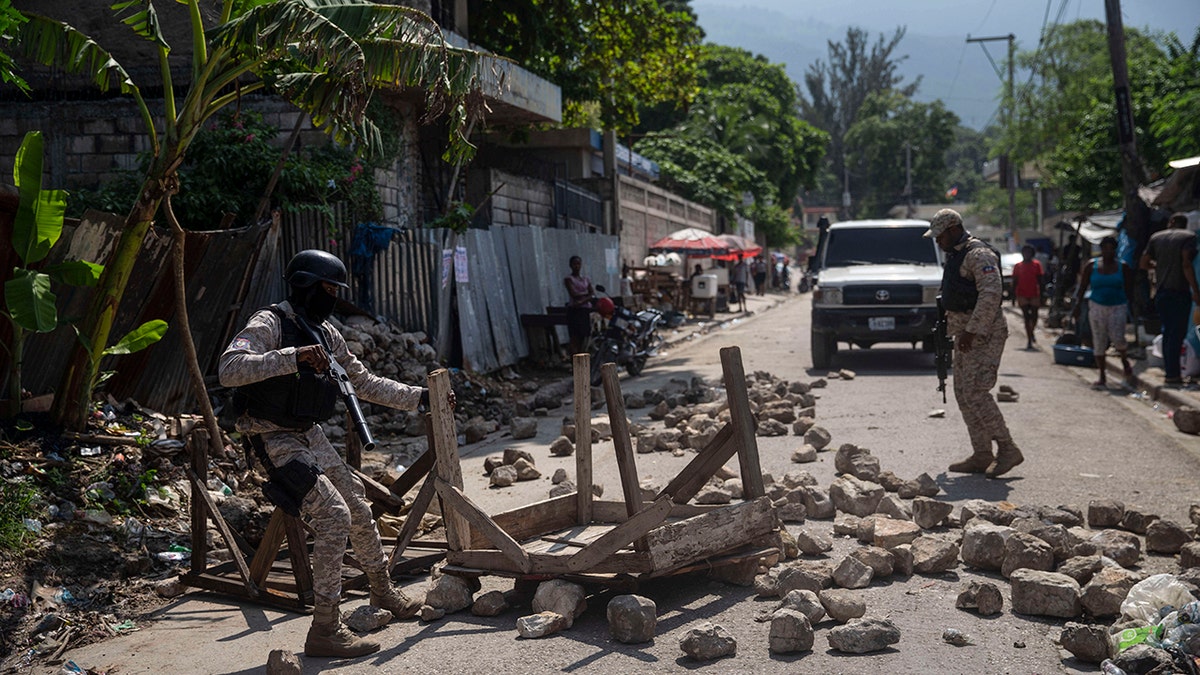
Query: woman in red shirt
point(1027, 288)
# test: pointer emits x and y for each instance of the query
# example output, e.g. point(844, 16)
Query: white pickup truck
point(877, 281)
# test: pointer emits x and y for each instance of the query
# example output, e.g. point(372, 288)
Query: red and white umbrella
point(739, 247)
point(691, 242)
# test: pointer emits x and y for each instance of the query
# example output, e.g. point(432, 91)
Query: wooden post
point(199, 442)
point(743, 422)
point(624, 447)
point(583, 436)
point(446, 461)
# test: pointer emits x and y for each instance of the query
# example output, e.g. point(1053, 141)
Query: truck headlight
point(929, 294)
point(828, 296)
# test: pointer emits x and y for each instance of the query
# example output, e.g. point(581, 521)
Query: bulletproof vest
point(296, 400)
point(959, 294)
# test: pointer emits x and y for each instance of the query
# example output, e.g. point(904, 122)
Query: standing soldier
point(284, 392)
point(972, 292)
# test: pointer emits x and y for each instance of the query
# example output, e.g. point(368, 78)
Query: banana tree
point(29, 303)
point(326, 57)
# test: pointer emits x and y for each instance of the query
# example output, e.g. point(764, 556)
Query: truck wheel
point(823, 349)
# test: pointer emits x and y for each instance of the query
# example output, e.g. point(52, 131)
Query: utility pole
point(1010, 174)
point(908, 201)
point(1132, 171)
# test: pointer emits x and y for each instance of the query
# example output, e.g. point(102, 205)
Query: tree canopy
point(741, 136)
point(838, 87)
point(1066, 114)
point(614, 56)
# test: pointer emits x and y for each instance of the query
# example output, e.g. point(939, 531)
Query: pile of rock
point(512, 466)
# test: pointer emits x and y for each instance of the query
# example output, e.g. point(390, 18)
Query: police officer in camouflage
point(972, 293)
point(283, 392)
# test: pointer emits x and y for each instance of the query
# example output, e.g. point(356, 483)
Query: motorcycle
point(629, 340)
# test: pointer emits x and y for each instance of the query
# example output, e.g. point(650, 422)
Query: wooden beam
point(744, 425)
point(703, 466)
point(215, 514)
point(454, 498)
point(620, 536)
point(412, 522)
point(699, 537)
point(419, 469)
point(620, 431)
point(538, 518)
point(614, 512)
point(378, 493)
point(583, 437)
point(198, 444)
point(268, 549)
point(447, 465)
point(297, 538)
point(490, 560)
point(269, 597)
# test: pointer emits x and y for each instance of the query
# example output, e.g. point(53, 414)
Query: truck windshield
point(879, 246)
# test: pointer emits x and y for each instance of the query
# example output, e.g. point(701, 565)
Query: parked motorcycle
point(629, 339)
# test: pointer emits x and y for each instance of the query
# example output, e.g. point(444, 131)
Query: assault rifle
point(349, 396)
point(942, 348)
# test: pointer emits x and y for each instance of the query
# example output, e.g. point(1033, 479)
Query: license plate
point(882, 323)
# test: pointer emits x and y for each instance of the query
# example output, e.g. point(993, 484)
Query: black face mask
point(313, 303)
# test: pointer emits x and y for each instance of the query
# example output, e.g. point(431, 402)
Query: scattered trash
point(172, 556)
point(33, 525)
point(1109, 668)
point(939, 413)
point(91, 451)
point(11, 597)
point(97, 517)
point(71, 668)
point(956, 637)
point(217, 485)
point(126, 626)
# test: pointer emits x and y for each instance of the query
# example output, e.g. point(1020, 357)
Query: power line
point(985, 16)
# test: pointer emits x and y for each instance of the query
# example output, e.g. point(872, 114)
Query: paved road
point(1079, 445)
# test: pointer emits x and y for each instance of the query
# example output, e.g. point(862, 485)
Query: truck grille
point(882, 294)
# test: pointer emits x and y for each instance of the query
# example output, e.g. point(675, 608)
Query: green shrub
point(17, 499)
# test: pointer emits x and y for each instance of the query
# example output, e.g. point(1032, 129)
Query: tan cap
point(942, 221)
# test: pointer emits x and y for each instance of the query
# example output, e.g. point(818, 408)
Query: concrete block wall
point(521, 200)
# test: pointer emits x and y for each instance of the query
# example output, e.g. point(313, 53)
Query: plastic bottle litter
point(217, 485)
point(71, 668)
point(1109, 668)
point(34, 526)
point(172, 556)
point(179, 548)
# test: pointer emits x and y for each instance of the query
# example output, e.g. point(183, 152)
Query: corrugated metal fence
point(474, 311)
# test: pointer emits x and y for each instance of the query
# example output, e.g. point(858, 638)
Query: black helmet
point(308, 267)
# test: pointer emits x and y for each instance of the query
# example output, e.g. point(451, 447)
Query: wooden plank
point(412, 521)
point(269, 597)
point(620, 536)
point(268, 549)
point(703, 466)
point(198, 442)
point(378, 493)
point(297, 538)
point(583, 437)
point(419, 469)
point(490, 560)
point(538, 518)
point(614, 512)
point(215, 514)
point(702, 536)
point(446, 462)
point(620, 431)
point(454, 498)
point(744, 425)
point(730, 558)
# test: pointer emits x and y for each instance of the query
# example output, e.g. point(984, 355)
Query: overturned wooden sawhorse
point(278, 573)
point(616, 542)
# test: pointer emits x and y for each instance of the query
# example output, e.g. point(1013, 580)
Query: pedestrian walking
point(1170, 254)
point(972, 293)
point(1028, 278)
point(738, 276)
point(760, 275)
point(1107, 283)
point(580, 295)
point(284, 391)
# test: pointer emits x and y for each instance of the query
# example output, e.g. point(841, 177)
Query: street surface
point(1079, 445)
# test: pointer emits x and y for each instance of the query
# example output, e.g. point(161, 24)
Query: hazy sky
point(794, 32)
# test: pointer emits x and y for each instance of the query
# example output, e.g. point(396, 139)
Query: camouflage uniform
point(975, 370)
point(336, 507)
